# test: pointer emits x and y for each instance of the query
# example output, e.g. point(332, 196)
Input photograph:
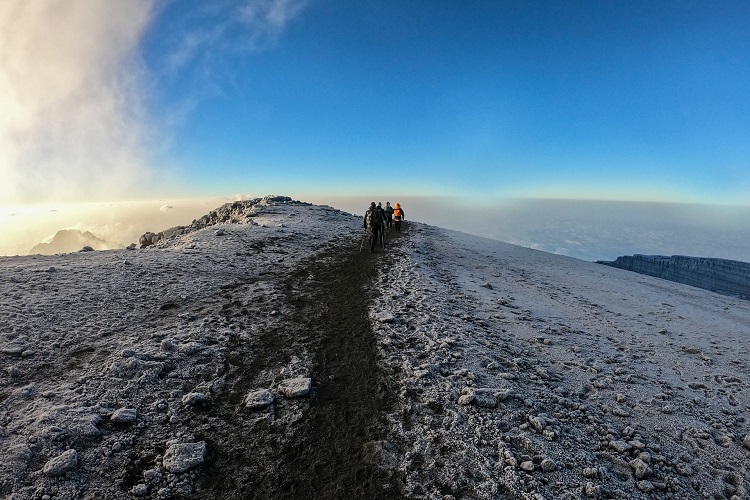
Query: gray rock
point(295, 387)
point(640, 468)
point(125, 415)
point(746, 441)
point(12, 350)
point(548, 465)
point(61, 464)
point(183, 456)
point(590, 472)
point(164, 493)
point(195, 398)
point(619, 446)
point(645, 486)
point(152, 476)
point(466, 399)
point(140, 490)
point(259, 399)
point(538, 423)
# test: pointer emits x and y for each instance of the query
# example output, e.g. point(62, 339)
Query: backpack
point(372, 217)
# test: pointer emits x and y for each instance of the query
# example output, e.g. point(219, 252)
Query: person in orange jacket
point(398, 216)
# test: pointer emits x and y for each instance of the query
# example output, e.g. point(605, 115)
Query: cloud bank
point(74, 123)
point(76, 90)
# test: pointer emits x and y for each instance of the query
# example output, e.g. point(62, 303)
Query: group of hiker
point(378, 220)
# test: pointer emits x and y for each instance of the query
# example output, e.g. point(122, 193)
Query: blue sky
point(613, 100)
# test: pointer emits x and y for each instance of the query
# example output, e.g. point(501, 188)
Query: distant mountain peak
point(72, 240)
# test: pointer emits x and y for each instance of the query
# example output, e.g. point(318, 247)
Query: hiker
point(382, 217)
point(398, 216)
point(389, 215)
point(373, 222)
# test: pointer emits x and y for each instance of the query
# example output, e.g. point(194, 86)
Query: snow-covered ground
point(273, 359)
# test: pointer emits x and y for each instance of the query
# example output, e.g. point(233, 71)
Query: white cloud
point(226, 27)
point(75, 91)
point(73, 123)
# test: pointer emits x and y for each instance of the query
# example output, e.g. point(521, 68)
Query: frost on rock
point(295, 387)
point(259, 399)
point(124, 416)
point(195, 399)
point(183, 456)
point(61, 464)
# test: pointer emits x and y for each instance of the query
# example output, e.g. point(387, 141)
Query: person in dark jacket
point(382, 217)
point(373, 222)
point(388, 215)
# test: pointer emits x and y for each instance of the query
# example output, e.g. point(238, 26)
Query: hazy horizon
point(584, 229)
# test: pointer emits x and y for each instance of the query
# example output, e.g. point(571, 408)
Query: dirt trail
point(319, 453)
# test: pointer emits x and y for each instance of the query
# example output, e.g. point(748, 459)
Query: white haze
point(588, 230)
point(74, 123)
point(118, 223)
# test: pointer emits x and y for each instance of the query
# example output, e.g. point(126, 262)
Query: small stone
point(259, 399)
point(140, 490)
point(548, 465)
point(152, 476)
point(746, 441)
point(164, 493)
point(181, 457)
point(590, 472)
point(591, 491)
point(724, 440)
point(295, 387)
point(537, 423)
point(61, 464)
point(619, 446)
point(466, 399)
point(12, 350)
point(645, 486)
point(195, 398)
point(527, 465)
point(640, 468)
point(124, 416)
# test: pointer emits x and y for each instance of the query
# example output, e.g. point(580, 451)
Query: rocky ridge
point(272, 359)
point(237, 212)
point(729, 277)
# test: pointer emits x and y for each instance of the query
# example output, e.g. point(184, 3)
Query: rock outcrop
point(237, 212)
point(729, 277)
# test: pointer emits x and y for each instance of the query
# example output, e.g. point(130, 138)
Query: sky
point(122, 100)
point(623, 100)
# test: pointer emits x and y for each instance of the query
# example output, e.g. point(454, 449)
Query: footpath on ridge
point(321, 452)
